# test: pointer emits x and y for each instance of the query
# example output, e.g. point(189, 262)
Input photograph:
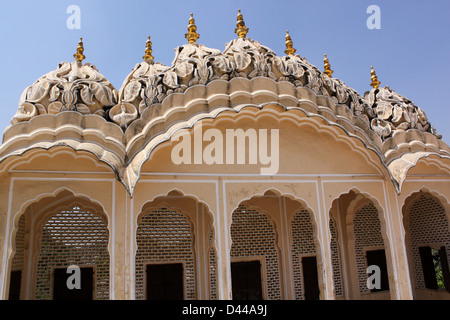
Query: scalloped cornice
point(155, 101)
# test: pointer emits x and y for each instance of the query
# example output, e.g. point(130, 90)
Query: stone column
point(119, 260)
point(222, 223)
point(325, 267)
point(400, 284)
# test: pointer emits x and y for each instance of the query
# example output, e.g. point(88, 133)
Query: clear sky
point(410, 53)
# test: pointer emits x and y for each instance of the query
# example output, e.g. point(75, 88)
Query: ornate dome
point(393, 113)
point(72, 86)
point(155, 101)
point(149, 82)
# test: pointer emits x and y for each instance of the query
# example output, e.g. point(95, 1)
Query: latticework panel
point(74, 237)
point(212, 267)
point(367, 229)
point(164, 235)
point(302, 245)
point(335, 260)
point(428, 225)
point(253, 235)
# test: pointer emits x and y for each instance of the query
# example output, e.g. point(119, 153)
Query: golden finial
point(289, 49)
point(148, 50)
point(79, 56)
point(241, 29)
point(327, 67)
point(192, 34)
point(375, 83)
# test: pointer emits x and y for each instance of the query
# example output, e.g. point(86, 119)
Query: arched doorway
point(55, 236)
point(427, 228)
point(175, 257)
point(275, 235)
point(359, 240)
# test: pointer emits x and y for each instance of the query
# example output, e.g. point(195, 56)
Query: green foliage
point(438, 269)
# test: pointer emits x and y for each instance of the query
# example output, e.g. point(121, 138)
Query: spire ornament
point(375, 83)
point(192, 34)
point(241, 29)
point(290, 50)
point(148, 51)
point(79, 56)
point(327, 66)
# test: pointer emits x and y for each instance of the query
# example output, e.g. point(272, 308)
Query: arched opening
point(304, 261)
point(426, 222)
point(275, 235)
point(176, 256)
point(61, 241)
point(254, 241)
point(358, 241)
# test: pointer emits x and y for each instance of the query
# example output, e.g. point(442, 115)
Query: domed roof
point(80, 87)
point(75, 86)
point(383, 110)
point(149, 82)
point(392, 113)
point(156, 101)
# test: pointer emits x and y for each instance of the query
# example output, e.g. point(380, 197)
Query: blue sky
point(410, 53)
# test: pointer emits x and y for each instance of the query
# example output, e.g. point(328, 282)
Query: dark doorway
point(14, 285)
point(378, 258)
point(310, 278)
point(165, 281)
point(435, 268)
point(61, 290)
point(246, 280)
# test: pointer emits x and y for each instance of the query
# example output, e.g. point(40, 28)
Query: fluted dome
point(195, 64)
point(393, 113)
point(75, 86)
point(156, 102)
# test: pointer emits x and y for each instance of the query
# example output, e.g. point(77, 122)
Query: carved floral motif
point(73, 86)
point(394, 113)
point(79, 87)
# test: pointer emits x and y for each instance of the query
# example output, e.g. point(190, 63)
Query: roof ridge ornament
point(373, 76)
point(79, 56)
point(290, 50)
point(192, 34)
point(327, 66)
point(148, 51)
point(241, 29)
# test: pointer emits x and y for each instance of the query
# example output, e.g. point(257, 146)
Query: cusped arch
point(361, 199)
point(273, 110)
point(358, 199)
point(90, 133)
point(302, 204)
point(41, 209)
point(356, 203)
point(404, 163)
point(110, 159)
point(65, 195)
point(424, 231)
point(413, 195)
point(141, 145)
point(173, 251)
point(27, 158)
point(276, 191)
point(177, 192)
